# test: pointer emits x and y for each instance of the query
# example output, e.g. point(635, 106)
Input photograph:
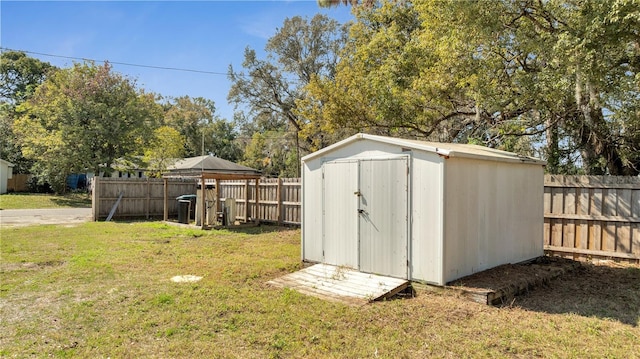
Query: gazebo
point(208, 168)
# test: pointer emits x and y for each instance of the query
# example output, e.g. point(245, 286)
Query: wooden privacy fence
point(18, 182)
point(592, 216)
point(141, 197)
point(279, 198)
point(584, 216)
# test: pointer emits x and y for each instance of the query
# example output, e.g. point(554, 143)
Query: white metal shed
point(429, 212)
point(6, 173)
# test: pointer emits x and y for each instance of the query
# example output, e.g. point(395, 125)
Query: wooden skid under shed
point(341, 284)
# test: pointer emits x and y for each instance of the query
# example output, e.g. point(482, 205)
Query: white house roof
point(442, 149)
point(7, 163)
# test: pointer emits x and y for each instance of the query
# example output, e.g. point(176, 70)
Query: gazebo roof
point(210, 167)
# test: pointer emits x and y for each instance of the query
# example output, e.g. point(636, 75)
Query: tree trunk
point(597, 140)
point(553, 152)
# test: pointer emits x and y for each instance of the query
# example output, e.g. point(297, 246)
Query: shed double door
point(365, 215)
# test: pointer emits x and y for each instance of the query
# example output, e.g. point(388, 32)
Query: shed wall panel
point(5, 174)
point(426, 198)
point(340, 213)
point(312, 211)
point(493, 215)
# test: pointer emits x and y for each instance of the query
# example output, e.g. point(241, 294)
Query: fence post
point(257, 200)
point(166, 198)
point(95, 198)
point(246, 200)
point(279, 197)
point(203, 206)
point(148, 203)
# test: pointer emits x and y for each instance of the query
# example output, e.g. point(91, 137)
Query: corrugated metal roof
point(443, 149)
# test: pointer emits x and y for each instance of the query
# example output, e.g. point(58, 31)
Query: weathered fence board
point(592, 216)
point(142, 197)
point(18, 182)
point(278, 201)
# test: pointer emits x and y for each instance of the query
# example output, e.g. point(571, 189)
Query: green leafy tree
point(190, 116)
point(331, 3)
point(268, 91)
point(224, 143)
point(271, 153)
point(162, 151)
point(560, 68)
point(507, 74)
point(201, 128)
point(20, 75)
point(83, 119)
point(372, 89)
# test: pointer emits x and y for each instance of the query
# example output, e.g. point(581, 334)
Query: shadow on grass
point(248, 229)
point(74, 201)
point(262, 228)
point(606, 292)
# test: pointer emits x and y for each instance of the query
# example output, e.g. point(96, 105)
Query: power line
point(238, 74)
point(119, 63)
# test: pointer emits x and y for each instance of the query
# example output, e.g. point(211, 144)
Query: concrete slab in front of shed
point(341, 284)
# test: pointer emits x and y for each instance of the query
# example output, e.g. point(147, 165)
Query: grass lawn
point(39, 200)
point(104, 290)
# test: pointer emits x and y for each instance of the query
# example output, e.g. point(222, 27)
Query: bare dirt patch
point(27, 266)
point(607, 290)
point(510, 274)
point(499, 285)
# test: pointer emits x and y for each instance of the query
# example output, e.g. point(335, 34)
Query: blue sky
point(198, 35)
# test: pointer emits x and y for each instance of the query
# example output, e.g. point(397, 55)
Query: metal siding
point(426, 217)
point(492, 215)
point(471, 213)
point(362, 150)
point(4, 176)
point(302, 211)
point(312, 212)
point(340, 208)
point(383, 216)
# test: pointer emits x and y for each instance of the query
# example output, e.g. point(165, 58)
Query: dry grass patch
point(104, 290)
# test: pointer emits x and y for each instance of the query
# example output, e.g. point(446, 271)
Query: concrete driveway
point(27, 217)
